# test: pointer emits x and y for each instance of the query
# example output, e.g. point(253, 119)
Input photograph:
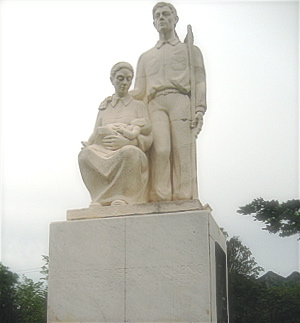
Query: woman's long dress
point(121, 174)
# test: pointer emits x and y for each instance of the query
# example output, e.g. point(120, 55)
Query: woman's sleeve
point(98, 123)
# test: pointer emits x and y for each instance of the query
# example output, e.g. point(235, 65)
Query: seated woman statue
point(112, 162)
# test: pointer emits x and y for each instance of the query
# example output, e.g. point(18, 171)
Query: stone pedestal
point(139, 268)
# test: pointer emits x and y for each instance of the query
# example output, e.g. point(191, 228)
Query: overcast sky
point(55, 59)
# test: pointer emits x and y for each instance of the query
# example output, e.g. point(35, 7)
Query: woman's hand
point(114, 142)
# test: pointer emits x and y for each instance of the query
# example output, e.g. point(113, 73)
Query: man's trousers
point(171, 173)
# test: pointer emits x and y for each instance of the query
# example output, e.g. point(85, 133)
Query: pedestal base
point(149, 268)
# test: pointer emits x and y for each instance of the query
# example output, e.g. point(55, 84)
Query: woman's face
point(122, 81)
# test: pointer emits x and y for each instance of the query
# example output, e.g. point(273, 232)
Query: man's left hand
point(197, 123)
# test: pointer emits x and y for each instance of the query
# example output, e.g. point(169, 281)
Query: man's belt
point(162, 92)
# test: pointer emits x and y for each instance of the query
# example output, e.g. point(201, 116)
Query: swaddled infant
point(130, 131)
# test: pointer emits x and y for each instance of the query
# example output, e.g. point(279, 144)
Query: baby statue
point(130, 131)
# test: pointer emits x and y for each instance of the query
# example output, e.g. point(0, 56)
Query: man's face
point(122, 81)
point(164, 19)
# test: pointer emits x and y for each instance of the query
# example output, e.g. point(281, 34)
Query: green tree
point(21, 301)
point(8, 295)
point(240, 260)
point(282, 218)
point(31, 298)
point(281, 303)
point(245, 295)
point(252, 299)
point(243, 291)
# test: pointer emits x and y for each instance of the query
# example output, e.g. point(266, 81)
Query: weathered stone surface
point(139, 268)
point(85, 282)
point(98, 211)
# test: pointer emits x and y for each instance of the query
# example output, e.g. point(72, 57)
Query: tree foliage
point(8, 295)
point(240, 259)
point(21, 300)
point(252, 299)
point(244, 298)
point(282, 218)
point(281, 304)
point(31, 298)
point(242, 272)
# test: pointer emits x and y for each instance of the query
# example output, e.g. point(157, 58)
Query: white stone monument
point(145, 250)
point(158, 266)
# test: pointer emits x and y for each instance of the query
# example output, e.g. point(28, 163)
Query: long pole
point(190, 41)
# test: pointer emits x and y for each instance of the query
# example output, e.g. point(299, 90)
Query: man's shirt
point(166, 66)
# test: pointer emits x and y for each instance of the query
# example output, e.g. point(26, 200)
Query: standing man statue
point(166, 76)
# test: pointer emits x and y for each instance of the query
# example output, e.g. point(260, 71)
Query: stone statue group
point(142, 148)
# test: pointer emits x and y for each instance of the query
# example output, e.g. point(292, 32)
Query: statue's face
point(122, 81)
point(164, 20)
